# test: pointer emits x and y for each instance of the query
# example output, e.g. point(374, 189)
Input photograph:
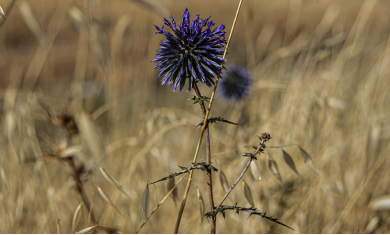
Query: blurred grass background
point(321, 78)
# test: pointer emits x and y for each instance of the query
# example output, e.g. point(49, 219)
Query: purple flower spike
point(189, 52)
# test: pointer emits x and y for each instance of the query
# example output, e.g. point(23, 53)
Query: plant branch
point(243, 173)
point(205, 124)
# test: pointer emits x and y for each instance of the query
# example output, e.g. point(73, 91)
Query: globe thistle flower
point(190, 52)
point(234, 84)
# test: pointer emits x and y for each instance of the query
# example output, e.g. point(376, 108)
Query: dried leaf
point(288, 159)
point(107, 199)
point(380, 204)
point(86, 230)
point(76, 217)
point(273, 167)
point(248, 194)
point(309, 161)
point(201, 204)
point(112, 180)
point(145, 203)
point(171, 184)
point(255, 171)
point(32, 21)
point(223, 180)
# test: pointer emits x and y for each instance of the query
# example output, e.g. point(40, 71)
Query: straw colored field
point(320, 81)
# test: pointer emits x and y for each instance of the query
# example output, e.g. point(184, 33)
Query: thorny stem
point(204, 124)
point(242, 174)
point(213, 223)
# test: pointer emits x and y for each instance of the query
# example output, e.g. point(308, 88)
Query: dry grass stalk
point(170, 184)
point(201, 204)
point(248, 194)
point(91, 135)
point(145, 203)
point(107, 199)
point(87, 230)
point(273, 167)
point(309, 161)
point(112, 180)
point(255, 171)
point(289, 161)
point(76, 217)
point(32, 21)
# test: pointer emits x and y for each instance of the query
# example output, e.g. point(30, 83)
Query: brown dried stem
point(213, 223)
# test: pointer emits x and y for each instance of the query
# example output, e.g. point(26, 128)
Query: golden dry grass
point(321, 78)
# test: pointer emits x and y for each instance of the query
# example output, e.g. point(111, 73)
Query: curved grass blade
point(309, 161)
point(255, 170)
point(380, 204)
point(112, 180)
point(91, 135)
point(170, 185)
point(32, 21)
point(201, 204)
point(273, 167)
point(76, 217)
point(223, 180)
point(108, 200)
point(86, 230)
point(145, 203)
point(288, 159)
point(248, 194)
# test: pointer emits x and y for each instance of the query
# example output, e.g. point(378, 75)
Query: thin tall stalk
point(208, 160)
point(203, 130)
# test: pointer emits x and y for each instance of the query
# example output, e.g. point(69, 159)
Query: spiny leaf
point(309, 161)
point(76, 217)
point(275, 220)
point(215, 120)
point(112, 180)
point(248, 194)
point(107, 199)
point(145, 203)
point(288, 159)
point(201, 99)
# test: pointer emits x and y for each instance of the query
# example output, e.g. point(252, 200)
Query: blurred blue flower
point(234, 84)
point(189, 52)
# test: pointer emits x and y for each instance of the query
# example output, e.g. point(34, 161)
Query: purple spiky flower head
point(190, 52)
point(234, 84)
